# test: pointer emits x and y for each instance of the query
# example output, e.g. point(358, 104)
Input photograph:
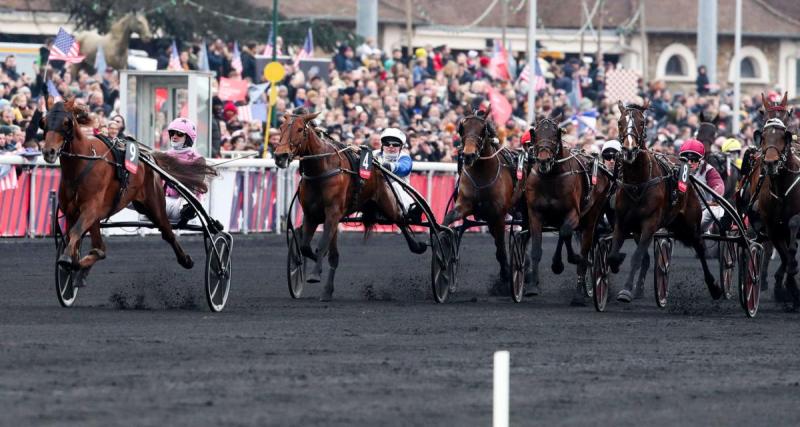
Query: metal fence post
point(246, 202)
point(31, 202)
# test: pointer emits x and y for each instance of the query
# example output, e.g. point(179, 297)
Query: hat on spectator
point(421, 53)
point(6, 130)
point(473, 54)
point(484, 61)
point(230, 106)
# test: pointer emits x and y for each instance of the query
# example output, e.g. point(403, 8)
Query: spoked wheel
point(600, 273)
point(65, 289)
point(518, 243)
point(588, 285)
point(218, 271)
point(442, 264)
point(295, 265)
point(663, 255)
point(750, 260)
point(727, 264)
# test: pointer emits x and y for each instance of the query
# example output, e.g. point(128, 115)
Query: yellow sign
point(274, 72)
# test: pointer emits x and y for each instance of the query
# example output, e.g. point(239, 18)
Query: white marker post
point(500, 401)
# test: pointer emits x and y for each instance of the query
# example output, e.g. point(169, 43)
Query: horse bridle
point(536, 147)
point(631, 130)
point(482, 139)
point(782, 154)
point(292, 147)
point(67, 131)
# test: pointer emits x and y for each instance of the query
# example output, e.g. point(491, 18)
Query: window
point(675, 66)
point(749, 69)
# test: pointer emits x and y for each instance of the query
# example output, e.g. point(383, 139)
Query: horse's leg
point(97, 253)
point(638, 291)
point(497, 227)
point(329, 231)
point(89, 216)
point(333, 263)
point(459, 212)
point(307, 233)
point(645, 238)
point(535, 252)
point(557, 266)
point(587, 238)
point(615, 257)
point(713, 288)
point(155, 209)
point(567, 229)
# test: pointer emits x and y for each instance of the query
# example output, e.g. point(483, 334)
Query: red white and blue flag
point(52, 91)
point(268, 49)
point(307, 51)
point(65, 48)
point(236, 61)
point(539, 81)
point(174, 59)
point(8, 177)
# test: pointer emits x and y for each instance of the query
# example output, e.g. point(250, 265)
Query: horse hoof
point(624, 296)
point(79, 280)
point(557, 267)
point(187, 262)
point(313, 278)
point(715, 291)
point(65, 262)
point(99, 253)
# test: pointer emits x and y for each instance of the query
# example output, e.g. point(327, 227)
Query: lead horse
point(647, 201)
point(330, 189)
point(89, 192)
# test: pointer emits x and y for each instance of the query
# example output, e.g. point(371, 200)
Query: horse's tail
point(191, 174)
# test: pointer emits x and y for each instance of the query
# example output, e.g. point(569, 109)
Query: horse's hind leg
point(791, 269)
point(497, 227)
point(155, 209)
point(648, 230)
point(535, 253)
point(638, 291)
point(565, 233)
point(713, 288)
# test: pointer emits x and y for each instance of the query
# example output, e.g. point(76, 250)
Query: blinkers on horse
point(773, 164)
point(632, 136)
point(545, 151)
point(479, 140)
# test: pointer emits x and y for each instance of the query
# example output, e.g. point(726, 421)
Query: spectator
point(702, 81)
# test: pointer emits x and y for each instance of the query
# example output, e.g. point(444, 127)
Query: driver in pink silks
point(694, 153)
point(182, 134)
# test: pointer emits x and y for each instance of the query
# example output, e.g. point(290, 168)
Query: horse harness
point(635, 192)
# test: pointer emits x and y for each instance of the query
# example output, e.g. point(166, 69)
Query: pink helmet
point(693, 146)
point(185, 126)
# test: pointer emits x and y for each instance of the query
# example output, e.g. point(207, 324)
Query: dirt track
point(141, 347)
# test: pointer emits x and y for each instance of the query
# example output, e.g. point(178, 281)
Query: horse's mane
point(636, 107)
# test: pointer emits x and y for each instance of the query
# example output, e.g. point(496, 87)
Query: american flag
point(8, 177)
point(307, 51)
point(268, 48)
point(52, 91)
point(539, 82)
point(245, 114)
point(174, 59)
point(236, 61)
point(498, 66)
point(65, 48)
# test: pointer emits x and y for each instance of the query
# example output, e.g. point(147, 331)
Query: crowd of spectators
point(366, 90)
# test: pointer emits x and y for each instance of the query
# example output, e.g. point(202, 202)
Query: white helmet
point(395, 134)
point(611, 144)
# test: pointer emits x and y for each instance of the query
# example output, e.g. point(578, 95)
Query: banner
point(232, 89)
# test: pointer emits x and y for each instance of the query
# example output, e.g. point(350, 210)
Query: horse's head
point(546, 143)
point(772, 110)
point(474, 130)
point(632, 129)
point(294, 134)
point(60, 127)
point(707, 131)
point(139, 25)
point(775, 144)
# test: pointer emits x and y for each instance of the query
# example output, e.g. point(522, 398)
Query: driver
point(394, 156)
point(732, 149)
point(182, 135)
point(694, 152)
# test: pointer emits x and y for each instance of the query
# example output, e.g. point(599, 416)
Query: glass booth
point(150, 100)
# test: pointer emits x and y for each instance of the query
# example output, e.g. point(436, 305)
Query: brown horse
point(330, 190)
point(644, 203)
point(89, 191)
point(488, 188)
point(560, 193)
point(778, 200)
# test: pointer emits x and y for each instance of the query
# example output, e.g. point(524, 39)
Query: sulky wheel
point(295, 264)
point(518, 243)
point(599, 273)
point(750, 260)
point(218, 271)
point(442, 265)
point(663, 256)
point(65, 289)
point(727, 264)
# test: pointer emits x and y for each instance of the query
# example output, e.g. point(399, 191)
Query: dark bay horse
point(488, 188)
point(89, 191)
point(777, 164)
point(331, 189)
point(707, 134)
point(644, 203)
point(559, 193)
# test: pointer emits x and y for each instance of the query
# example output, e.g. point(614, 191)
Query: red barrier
point(15, 207)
